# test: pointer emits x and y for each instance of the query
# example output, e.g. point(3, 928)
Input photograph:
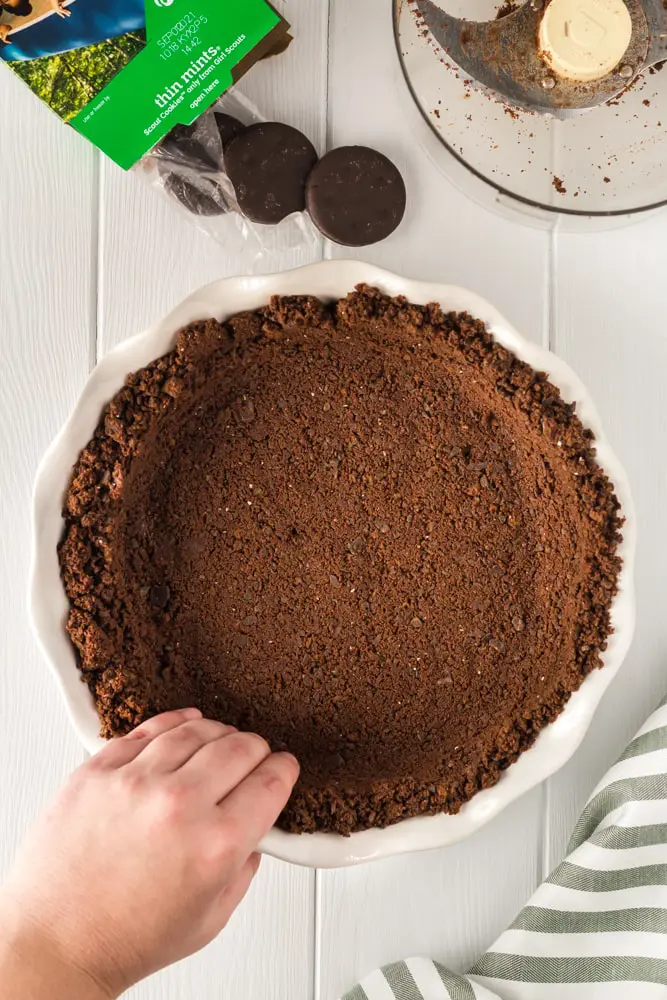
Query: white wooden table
point(88, 257)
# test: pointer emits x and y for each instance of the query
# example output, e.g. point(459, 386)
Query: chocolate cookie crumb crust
point(362, 529)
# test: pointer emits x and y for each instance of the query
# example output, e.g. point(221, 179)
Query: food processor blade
point(505, 56)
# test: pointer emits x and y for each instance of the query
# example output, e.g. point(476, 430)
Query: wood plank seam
point(96, 305)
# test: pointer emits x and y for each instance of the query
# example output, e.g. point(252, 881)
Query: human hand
point(148, 849)
point(60, 9)
point(5, 30)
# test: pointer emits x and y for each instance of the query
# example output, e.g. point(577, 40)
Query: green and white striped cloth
point(597, 928)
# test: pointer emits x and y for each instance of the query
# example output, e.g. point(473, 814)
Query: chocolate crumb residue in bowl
point(363, 529)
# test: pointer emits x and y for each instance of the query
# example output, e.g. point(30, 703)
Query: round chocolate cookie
point(195, 145)
point(356, 196)
point(269, 164)
point(190, 156)
point(228, 127)
point(200, 195)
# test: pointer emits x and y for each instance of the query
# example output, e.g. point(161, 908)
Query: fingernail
point(192, 713)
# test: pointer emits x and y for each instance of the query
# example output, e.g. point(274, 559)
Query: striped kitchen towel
point(597, 928)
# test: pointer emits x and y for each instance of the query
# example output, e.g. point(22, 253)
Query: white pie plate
point(329, 280)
